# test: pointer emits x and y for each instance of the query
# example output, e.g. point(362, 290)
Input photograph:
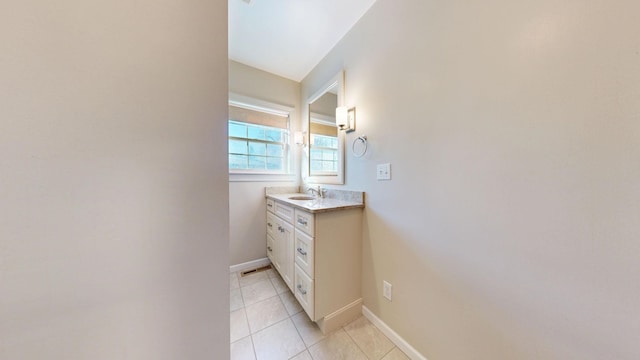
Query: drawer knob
point(302, 221)
point(269, 224)
point(269, 248)
point(303, 292)
point(303, 253)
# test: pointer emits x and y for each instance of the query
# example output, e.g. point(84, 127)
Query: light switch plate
point(387, 290)
point(384, 172)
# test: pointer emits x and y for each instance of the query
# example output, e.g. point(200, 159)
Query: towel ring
point(362, 139)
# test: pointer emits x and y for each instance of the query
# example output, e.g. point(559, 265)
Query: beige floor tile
point(279, 341)
point(235, 299)
point(238, 325)
point(309, 331)
point(252, 279)
point(395, 354)
point(233, 281)
point(272, 273)
point(302, 356)
point(370, 340)
point(257, 292)
point(243, 349)
point(265, 313)
point(290, 303)
point(279, 284)
point(337, 346)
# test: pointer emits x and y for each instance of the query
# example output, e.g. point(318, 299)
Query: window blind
point(322, 129)
point(258, 117)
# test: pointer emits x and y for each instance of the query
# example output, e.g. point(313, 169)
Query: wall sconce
point(346, 118)
point(298, 138)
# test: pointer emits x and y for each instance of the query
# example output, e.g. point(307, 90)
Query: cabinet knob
point(303, 253)
point(302, 221)
point(269, 248)
point(303, 292)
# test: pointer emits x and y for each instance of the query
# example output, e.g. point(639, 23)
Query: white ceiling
point(289, 37)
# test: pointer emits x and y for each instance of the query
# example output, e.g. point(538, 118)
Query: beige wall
point(325, 105)
point(510, 227)
point(247, 205)
point(113, 208)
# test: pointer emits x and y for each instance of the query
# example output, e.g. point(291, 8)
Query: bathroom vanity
point(316, 246)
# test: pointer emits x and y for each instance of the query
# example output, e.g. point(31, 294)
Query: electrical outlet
point(387, 290)
point(383, 172)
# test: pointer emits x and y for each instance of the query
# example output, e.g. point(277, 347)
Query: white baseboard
point(250, 265)
point(412, 353)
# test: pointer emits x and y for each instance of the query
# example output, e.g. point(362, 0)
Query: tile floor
point(267, 323)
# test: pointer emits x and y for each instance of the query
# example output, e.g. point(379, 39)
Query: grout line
point(255, 354)
point(354, 341)
point(389, 352)
point(247, 318)
point(242, 298)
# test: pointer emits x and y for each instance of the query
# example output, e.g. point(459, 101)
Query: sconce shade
point(341, 117)
point(346, 118)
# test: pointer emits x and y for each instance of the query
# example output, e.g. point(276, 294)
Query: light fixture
point(298, 138)
point(346, 118)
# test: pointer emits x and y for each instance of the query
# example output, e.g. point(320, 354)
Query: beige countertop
point(316, 205)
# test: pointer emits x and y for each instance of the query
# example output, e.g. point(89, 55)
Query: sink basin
point(301, 197)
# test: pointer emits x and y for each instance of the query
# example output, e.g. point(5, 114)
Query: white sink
point(301, 197)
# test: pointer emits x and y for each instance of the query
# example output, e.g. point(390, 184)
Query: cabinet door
point(304, 292)
point(285, 251)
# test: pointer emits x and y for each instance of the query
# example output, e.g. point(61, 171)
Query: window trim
point(271, 108)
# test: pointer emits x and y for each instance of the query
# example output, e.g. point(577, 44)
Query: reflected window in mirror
point(323, 146)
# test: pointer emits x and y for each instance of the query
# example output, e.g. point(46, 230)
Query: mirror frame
point(337, 81)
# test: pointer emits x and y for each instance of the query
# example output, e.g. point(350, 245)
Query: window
point(258, 140)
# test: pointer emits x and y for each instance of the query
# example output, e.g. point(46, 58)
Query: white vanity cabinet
point(324, 258)
point(280, 233)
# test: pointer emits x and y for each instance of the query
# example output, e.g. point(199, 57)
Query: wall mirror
point(326, 144)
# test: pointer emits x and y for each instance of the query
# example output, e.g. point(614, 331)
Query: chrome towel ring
point(360, 139)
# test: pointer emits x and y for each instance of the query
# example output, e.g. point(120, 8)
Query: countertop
point(316, 205)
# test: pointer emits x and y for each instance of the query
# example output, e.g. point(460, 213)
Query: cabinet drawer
point(304, 252)
point(304, 291)
point(284, 211)
point(271, 205)
point(271, 249)
point(304, 221)
point(271, 223)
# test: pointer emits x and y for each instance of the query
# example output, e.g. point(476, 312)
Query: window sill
point(260, 177)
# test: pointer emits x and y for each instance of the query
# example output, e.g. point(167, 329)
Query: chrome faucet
point(319, 192)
